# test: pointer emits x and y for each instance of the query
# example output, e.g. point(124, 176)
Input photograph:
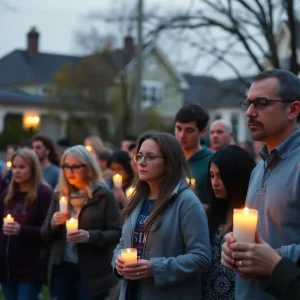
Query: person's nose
point(251, 112)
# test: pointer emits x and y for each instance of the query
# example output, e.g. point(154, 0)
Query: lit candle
point(244, 224)
point(191, 181)
point(117, 179)
point(129, 191)
point(8, 164)
point(8, 219)
point(63, 204)
point(72, 225)
point(88, 148)
point(129, 255)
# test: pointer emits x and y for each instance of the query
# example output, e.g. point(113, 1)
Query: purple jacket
point(22, 256)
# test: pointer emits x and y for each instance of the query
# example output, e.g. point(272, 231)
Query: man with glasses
point(272, 109)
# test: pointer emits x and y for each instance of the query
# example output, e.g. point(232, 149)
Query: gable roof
point(212, 93)
point(21, 67)
point(18, 97)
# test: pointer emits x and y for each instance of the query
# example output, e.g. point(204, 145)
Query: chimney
point(129, 50)
point(32, 42)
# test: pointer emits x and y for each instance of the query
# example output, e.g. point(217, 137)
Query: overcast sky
point(56, 20)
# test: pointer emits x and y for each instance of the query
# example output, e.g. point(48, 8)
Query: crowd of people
point(67, 212)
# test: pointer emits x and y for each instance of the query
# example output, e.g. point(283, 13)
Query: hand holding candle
point(244, 224)
point(10, 227)
point(117, 179)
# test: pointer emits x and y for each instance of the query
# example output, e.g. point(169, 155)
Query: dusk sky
point(57, 20)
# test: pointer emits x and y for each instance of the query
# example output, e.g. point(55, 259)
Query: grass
point(45, 294)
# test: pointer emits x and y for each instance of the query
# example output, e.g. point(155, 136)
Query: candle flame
point(8, 216)
point(117, 175)
point(63, 198)
point(71, 220)
point(9, 164)
point(246, 210)
point(88, 148)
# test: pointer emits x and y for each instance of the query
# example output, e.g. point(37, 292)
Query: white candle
point(129, 255)
point(8, 219)
point(63, 204)
point(117, 179)
point(129, 191)
point(72, 225)
point(244, 224)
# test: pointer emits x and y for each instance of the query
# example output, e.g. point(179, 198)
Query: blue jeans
point(66, 284)
point(21, 290)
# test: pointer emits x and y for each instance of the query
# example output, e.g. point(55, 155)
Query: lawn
point(45, 294)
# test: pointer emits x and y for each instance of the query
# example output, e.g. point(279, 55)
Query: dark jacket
point(101, 218)
point(199, 167)
point(284, 282)
point(21, 256)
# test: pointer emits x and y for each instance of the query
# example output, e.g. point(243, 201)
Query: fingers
point(227, 255)
point(10, 228)
point(229, 239)
point(242, 246)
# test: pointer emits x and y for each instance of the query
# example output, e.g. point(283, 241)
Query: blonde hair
point(95, 142)
point(85, 157)
point(36, 178)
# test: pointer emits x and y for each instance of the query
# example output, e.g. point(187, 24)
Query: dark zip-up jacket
point(101, 218)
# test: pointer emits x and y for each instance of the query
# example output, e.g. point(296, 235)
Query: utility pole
point(139, 71)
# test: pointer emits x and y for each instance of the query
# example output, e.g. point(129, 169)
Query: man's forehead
point(263, 88)
point(191, 124)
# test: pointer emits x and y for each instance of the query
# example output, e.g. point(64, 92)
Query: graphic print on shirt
point(139, 236)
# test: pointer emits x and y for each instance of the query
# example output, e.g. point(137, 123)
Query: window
point(235, 124)
point(151, 92)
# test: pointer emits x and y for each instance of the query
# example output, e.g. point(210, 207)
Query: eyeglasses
point(138, 158)
point(260, 103)
point(72, 168)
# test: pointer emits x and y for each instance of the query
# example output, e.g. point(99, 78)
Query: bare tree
point(244, 29)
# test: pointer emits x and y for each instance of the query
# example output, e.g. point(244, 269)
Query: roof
point(20, 67)
point(212, 93)
point(18, 97)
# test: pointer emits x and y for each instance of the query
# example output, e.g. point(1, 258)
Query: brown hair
point(176, 169)
point(36, 177)
point(48, 143)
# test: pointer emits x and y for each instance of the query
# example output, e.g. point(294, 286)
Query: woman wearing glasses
point(79, 266)
point(167, 225)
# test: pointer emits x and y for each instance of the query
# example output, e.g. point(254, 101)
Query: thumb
point(258, 238)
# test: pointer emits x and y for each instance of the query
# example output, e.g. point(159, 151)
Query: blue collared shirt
point(274, 190)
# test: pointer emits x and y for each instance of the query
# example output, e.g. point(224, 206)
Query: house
point(27, 87)
point(222, 100)
point(283, 42)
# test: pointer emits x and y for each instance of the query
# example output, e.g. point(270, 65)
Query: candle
point(244, 224)
point(8, 164)
point(191, 181)
point(129, 255)
point(88, 148)
point(63, 204)
point(8, 219)
point(72, 225)
point(117, 179)
point(129, 191)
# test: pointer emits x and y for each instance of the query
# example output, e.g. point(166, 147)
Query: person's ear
point(294, 110)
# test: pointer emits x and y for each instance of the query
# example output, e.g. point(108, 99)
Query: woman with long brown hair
point(24, 206)
point(166, 223)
